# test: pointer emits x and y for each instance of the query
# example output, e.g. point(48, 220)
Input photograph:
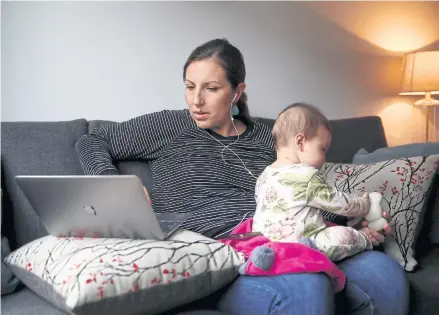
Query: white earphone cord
point(222, 157)
point(228, 146)
point(243, 218)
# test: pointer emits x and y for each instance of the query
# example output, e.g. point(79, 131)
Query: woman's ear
point(299, 140)
point(239, 91)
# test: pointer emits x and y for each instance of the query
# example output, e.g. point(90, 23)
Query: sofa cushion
point(426, 277)
point(425, 283)
point(92, 124)
point(139, 168)
point(25, 302)
point(404, 185)
point(124, 276)
point(36, 148)
point(201, 312)
point(350, 135)
point(9, 281)
point(409, 150)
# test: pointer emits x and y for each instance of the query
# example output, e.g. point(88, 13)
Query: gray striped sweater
point(189, 173)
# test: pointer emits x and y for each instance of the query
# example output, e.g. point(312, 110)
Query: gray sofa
point(35, 148)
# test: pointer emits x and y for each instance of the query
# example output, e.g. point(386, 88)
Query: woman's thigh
point(293, 294)
point(376, 284)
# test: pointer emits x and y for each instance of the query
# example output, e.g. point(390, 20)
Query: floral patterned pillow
point(123, 276)
point(404, 184)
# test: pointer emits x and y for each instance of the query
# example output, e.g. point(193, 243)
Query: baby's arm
point(325, 197)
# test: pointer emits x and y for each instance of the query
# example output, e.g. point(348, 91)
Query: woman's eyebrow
point(205, 83)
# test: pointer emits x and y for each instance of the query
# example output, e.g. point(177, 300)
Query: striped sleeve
point(138, 138)
point(334, 218)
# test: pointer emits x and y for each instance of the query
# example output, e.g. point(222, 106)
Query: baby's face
point(314, 149)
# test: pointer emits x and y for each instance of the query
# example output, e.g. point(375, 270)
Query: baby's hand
point(371, 242)
point(375, 237)
point(366, 201)
point(366, 196)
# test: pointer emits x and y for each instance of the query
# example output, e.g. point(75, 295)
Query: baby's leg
point(339, 242)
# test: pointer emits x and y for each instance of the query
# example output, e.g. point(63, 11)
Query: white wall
point(114, 60)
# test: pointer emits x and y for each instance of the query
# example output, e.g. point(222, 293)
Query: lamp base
point(429, 104)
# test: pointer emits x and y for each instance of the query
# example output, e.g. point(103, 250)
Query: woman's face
point(209, 94)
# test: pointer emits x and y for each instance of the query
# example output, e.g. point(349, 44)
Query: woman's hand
point(377, 237)
point(147, 195)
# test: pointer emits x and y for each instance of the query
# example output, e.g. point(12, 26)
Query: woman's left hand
point(378, 237)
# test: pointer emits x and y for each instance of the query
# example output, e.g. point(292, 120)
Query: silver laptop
point(97, 206)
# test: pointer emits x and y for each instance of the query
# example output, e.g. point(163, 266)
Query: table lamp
point(420, 76)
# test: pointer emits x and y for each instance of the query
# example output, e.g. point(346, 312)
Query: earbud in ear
point(233, 101)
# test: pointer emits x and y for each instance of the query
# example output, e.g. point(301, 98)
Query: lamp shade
point(420, 73)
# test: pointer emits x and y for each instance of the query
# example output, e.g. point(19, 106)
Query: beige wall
point(391, 29)
point(114, 60)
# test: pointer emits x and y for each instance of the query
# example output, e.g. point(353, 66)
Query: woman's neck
point(228, 130)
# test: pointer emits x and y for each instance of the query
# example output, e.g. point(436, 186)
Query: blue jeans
point(376, 285)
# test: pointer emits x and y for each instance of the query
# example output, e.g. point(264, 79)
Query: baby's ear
point(299, 140)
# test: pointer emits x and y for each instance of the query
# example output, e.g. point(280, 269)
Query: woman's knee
point(378, 284)
point(306, 294)
point(378, 265)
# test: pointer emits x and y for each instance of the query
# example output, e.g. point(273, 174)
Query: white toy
point(375, 215)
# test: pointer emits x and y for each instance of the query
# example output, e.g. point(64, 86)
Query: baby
point(290, 193)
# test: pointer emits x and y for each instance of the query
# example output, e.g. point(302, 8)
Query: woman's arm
point(138, 138)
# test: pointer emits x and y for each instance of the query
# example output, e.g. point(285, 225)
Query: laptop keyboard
point(170, 221)
point(168, 226)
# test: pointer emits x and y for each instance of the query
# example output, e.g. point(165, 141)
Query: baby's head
point(302, 135)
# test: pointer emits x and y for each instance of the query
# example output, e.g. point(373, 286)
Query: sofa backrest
point(34, 148)
point(47, 148)
point(348, 136)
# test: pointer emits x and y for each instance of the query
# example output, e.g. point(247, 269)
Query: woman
point(206, 162)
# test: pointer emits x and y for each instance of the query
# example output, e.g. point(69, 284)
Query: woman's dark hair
point(232, 61)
